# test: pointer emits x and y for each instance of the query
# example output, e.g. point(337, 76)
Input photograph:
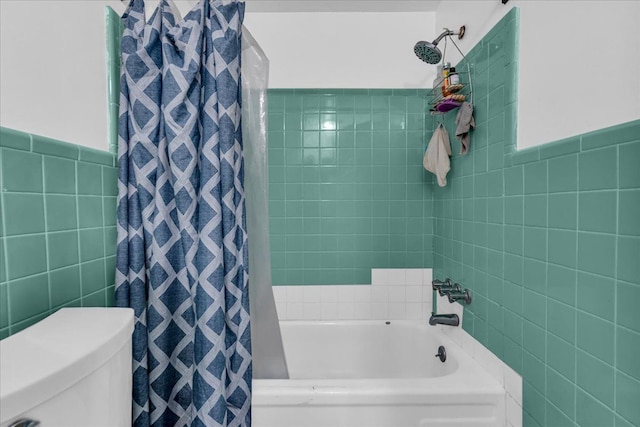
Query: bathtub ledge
point(496, 368)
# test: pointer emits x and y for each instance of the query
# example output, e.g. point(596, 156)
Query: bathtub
point(376, 374)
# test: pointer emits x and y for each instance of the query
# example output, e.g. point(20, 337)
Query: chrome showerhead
point(429, 52)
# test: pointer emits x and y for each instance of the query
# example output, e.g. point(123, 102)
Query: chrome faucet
point(443, 287)
point(444, 319)
point(438, 285)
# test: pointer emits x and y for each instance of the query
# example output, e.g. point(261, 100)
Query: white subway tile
point(413, 276)
point(464, 339)
point(398, 293)
point(513, 384)
point(362, 293)
point(312, 294)
point(295, 293)
point(379, 276)
point(380, 293)
point(279, 293)
point(329, 294)
point(346, 310)
point(380, 310)
point(490, 363)
point(414, 293)
point(414, 311)
point(329, 310)
point(397, 276)
point(294, 311)
point(475, 348)
point(362, 310)
point(455, 335)
point(427, 293)
point(427, 276)
point(346, 293)
point(514, 412)
point(312, 311)
point(397, 310)
point(426, 311)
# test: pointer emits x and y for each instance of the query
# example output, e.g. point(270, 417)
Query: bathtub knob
point(25, 422)
point(460, 296)
point(442, 354)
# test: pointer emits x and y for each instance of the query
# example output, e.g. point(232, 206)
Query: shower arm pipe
point(445, 33)
point(448, 33)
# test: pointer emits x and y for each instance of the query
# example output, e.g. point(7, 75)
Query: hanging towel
point(436, 157)
point(464, 121)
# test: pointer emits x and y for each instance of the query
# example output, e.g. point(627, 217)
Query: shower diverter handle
point(446, 286)
point(460, 296)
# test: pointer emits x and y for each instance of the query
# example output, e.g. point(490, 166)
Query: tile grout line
point(615, 289)
point(78, 240)
point(546, 290)
point(4, 251)
point(104, 233)
point(575, 296)
point(104, 239)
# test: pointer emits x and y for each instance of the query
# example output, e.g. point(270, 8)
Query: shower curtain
point(182, 255)
point(268, 352)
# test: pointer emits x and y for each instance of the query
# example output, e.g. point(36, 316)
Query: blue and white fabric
point(182, 260)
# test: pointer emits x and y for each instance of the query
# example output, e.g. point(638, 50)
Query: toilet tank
point(71, 369)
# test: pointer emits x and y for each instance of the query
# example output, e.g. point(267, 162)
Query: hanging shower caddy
point(442, 99)
point(441, 102)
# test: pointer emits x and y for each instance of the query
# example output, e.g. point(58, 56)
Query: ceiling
point(341, 5)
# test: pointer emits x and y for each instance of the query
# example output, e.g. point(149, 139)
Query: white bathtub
point(376, 374)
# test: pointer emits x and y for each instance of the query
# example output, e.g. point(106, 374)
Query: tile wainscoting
point(57, 228)
point(548, 240)
point(395, 294)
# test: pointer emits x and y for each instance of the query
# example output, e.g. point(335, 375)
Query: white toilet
point(71, 369)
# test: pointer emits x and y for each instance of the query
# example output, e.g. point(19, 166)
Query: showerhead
point(427, 52)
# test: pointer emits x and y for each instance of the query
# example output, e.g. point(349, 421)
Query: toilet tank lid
point(57, 352)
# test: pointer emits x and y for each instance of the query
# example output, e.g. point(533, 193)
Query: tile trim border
point(23, 141)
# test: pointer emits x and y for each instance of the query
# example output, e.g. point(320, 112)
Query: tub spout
point(444, 319)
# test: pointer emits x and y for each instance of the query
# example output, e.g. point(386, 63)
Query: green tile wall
point(549, 242)
point(347, 186)
point(57, 228)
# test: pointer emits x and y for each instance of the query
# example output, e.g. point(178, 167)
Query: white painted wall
point(53, 71)
point(53, 78)
point(344, 50)
point(342, 5)
point(579, 61)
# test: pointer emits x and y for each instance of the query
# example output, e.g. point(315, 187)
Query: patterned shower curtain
point(182, 244)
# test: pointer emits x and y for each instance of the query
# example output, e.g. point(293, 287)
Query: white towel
point(436, 158)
